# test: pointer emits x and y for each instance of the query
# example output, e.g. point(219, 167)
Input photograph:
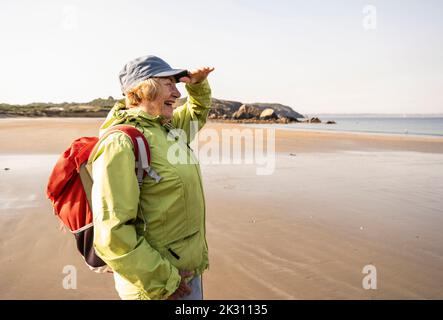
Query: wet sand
point(335, 203)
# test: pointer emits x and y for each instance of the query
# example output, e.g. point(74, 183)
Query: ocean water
point(428, 126)
point(23, 179)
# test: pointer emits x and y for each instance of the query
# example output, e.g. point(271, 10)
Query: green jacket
point(148, 260)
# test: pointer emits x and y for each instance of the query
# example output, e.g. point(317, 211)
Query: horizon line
point(300, 112)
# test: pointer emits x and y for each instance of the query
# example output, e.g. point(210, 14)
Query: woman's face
point(166, 97)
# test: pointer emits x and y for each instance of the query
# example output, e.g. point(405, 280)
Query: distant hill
point(95, 108)
point(220, 109)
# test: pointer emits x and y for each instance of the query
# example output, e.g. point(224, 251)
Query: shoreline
point(368, 133)
point(278, 126)
point(30, 135)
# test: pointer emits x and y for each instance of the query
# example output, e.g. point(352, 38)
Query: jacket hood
point(119, 114)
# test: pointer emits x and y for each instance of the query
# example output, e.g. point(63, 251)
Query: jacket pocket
point(179, 249)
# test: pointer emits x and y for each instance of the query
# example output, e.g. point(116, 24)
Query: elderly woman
point(166, 259)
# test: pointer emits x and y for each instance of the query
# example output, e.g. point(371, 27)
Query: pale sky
point(315, 56)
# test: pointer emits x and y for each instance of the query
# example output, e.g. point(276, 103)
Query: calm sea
point(430, 126)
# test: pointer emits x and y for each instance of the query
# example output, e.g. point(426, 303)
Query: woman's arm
point(197, 106)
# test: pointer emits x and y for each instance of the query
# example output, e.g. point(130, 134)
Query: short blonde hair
point(147, 89)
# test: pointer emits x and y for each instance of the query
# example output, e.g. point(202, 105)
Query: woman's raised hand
point(197, 75)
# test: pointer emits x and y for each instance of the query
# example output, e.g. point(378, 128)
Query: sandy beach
point(333, 204)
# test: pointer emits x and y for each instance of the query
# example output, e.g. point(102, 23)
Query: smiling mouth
point(169, 103)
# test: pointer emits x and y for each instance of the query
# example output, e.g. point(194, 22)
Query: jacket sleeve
point(115, 197)
point(195, 110)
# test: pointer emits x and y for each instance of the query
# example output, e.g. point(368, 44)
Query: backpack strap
point(142, 157)
point(141, 151)
point(144, 160)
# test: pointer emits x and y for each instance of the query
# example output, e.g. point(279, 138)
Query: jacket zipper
point(176, 256)
point(203, 196)
point(167, 129)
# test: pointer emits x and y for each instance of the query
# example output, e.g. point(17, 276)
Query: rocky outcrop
point(234, 110)
point(246, 112)
point(268, 114)
point(312, 120)
point(280, 110)
point(252, 113)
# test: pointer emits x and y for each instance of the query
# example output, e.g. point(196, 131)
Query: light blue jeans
point(197, 289)
point(127, 291)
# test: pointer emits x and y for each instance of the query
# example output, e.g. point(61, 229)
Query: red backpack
point(70, 184)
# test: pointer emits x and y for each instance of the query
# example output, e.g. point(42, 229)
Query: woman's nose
point(175, 92)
